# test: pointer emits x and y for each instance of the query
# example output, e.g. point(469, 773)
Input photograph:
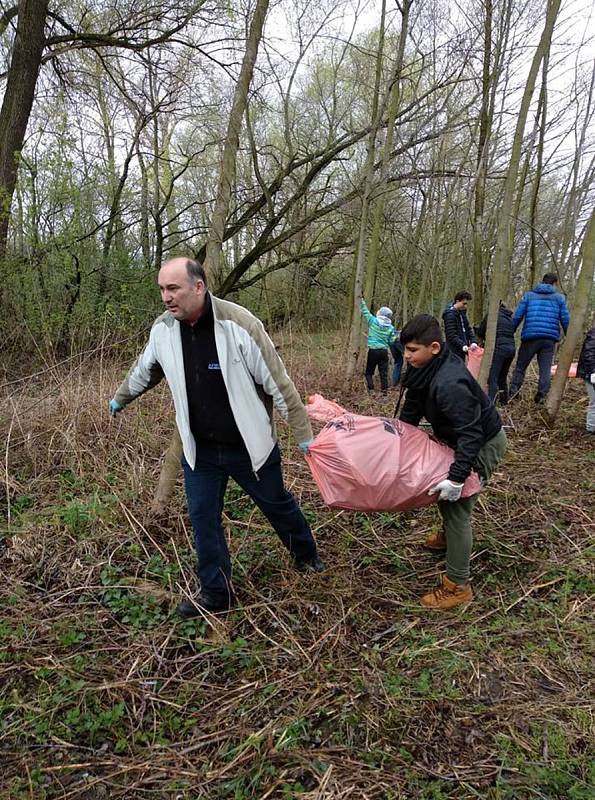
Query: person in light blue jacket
point(544, 312)
point(381, 335)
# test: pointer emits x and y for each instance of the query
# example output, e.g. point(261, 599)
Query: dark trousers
point(205, 491)
point(544, 350)
point(396, 350)
point(498, 377)
point(377, 358)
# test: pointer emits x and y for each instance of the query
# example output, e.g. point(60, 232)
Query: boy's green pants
point(457, 516)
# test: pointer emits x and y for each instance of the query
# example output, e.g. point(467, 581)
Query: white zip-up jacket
point(254, 376)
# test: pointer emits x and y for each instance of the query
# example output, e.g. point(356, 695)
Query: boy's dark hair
point(550, 277)
point(462, 296)
point(423, 329)
point(196, 271)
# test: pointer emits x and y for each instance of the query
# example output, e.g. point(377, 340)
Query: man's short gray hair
point(196, 271)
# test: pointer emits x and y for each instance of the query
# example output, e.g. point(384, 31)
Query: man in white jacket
point(225, 376)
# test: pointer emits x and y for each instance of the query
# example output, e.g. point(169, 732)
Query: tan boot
point(436, 540)
point(448, 595)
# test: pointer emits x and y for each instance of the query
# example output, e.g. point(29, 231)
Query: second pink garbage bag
point(374, 463)
point(474, 361)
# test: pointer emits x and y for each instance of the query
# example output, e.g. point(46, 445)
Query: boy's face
point(461, 305)
point(418, 355)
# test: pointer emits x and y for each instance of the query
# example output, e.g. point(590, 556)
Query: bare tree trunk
point(482, 161)
point(538, 172)
point(145, 239)
point(394, 103)
point(18, 101)
point(171, 464)
point(584, 286)
point(353, 347)
point(501, 272)
point(226, 174)
point(570, 213)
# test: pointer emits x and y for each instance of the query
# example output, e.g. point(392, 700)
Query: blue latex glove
point(115, 408)
point(305, 446)
point(449, 490)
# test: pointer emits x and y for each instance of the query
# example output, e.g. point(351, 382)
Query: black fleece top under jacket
point(211, 417)
point(460, 413)
point(586, 359)
point(457, 330)
point(504, 330)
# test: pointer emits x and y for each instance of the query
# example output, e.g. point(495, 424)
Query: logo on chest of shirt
point(214, 365)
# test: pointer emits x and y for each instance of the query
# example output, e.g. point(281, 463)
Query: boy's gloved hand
point(465, 348)
point(448, 490)
point(593, 378)
point(115, 407)
point(305, 446)
point(473, 346)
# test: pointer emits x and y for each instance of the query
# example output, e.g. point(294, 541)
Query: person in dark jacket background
point(586, 370)
point(504, 351)
point(544, 312)
point(396, 350)
point(441, 389)
point(457, 330)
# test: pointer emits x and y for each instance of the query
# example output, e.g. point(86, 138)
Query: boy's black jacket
point(586, 359)
point(460, 413)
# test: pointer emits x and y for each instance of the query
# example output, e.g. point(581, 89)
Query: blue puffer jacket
point(544, 310)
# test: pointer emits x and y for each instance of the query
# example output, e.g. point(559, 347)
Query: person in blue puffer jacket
point(544, 312)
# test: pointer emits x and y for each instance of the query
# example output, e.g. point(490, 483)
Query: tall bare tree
point(584, 287)
point(504, 238)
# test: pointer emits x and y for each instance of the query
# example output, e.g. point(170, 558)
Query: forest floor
point(336, 685)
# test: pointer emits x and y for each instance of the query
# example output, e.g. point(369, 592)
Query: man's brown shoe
point(447, 595)
point(436, 540)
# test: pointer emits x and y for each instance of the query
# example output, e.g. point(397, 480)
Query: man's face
point(181, 295)
point(461, 305)
point(418, 355)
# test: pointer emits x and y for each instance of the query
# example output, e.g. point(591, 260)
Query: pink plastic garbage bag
point(474, 361)
point(377, 464)
point(322, 410)
point(571, 369)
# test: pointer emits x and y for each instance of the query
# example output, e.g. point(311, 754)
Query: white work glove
point(473, 346)
point(593, 378)
point(448, 490)
point(465, 348)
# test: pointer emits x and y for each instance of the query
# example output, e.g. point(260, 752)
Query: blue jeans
point(544, 350)
point(205, 491)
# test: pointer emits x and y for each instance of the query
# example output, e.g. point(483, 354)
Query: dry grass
point(330, 686)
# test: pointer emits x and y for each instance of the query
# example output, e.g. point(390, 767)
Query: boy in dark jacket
point(458, 331)
point(586, 370)
point(503, 353)
point(544, 311)
point(441, 389)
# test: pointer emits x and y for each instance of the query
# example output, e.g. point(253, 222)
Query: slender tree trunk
point(18, 101)
point(538, 172)
point(570, 199)
point(501, 272)
point(145, 239)
point(353, 347)
point(393, 108)
point(584, 286)
point(213, 261)
point(482, 162)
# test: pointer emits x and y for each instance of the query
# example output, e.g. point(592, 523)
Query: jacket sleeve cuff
point(457, 473)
